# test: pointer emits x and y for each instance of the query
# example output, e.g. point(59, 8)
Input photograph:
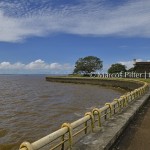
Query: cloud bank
point(37, 66)
point(22, 19)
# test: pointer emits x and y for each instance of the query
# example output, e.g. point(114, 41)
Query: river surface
point(31, 107)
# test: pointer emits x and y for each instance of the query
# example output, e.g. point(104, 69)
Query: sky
point(49, 36)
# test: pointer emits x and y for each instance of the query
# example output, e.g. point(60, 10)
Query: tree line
point(91, 64)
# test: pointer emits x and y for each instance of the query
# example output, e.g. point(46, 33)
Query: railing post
point(99, 115)
point(110, 107)
point(70, 134)
point(118, 102)
point(92, 119)
point(26, 146)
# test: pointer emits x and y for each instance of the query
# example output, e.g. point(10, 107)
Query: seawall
point(124, 84)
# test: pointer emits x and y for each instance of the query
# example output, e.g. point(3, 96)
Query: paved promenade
point(137, 135)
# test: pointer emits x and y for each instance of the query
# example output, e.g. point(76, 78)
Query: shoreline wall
point(124, 84)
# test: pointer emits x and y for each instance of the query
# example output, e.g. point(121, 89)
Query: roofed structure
point(141, 67)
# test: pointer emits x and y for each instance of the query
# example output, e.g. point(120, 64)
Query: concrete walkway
point(137, 135)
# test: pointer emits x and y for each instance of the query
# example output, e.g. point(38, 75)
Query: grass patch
point(145, 80)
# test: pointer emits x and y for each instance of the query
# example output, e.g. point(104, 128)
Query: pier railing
point(69, 133)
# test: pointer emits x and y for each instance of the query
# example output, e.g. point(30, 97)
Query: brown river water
point(31, 107)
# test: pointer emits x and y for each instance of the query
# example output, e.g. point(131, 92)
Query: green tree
point(131, 69)
point(116, 68)
point(87, 65)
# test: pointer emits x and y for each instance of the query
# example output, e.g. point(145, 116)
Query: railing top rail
point(80, 121)
point(49, 138)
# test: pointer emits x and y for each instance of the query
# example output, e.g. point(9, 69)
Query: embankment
point(124, 84)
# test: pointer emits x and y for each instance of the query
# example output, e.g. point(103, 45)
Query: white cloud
point(96, 17)
point(38, 66)
point(8, 65)
point(55, 65)
point(129, 64)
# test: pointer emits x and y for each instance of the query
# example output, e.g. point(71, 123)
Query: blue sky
point(48, 36)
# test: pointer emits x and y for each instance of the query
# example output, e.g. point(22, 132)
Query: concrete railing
point(71, 132)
